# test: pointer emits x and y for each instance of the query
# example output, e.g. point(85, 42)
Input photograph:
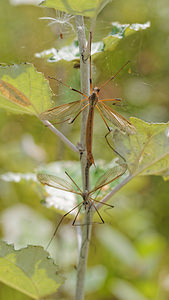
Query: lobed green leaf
point(85, 8)
point(147, 152)
point(24, 90)
point(29, 270)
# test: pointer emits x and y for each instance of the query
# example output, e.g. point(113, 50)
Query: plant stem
point(85, 88)
point(60, 135)
point(86, 229)
point(81, 270)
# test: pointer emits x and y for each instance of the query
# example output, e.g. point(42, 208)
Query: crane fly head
point(96, 90)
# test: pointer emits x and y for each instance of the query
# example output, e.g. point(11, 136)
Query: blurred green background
point(129, 255)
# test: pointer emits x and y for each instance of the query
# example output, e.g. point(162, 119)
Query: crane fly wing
point(56, 182)
point(117, 119)
point(61, 113)
point(109, 176)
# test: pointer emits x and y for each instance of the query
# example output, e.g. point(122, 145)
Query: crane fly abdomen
point(93, 99)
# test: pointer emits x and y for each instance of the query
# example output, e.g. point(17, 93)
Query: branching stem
point(60, 135)
point(115, 190)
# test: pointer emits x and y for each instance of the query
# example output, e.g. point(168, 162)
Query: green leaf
point(24, 90)
point(71, 52)
point(120, 31)
point(147, 152)
point(29, 270)
point(85, 8)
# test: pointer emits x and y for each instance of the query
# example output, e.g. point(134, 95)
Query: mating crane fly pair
point(87, 202)
point(69, 112)
point(65, 112)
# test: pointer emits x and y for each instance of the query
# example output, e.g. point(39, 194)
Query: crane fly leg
point(116, 100)
point(114, 150)
point(104, 119)
point(72, 120)
point(60, 223)
point(109, 205)
point(72, 89)
point(96, 210)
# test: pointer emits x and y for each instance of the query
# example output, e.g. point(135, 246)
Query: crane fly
point(64, 112)
point(87, 202)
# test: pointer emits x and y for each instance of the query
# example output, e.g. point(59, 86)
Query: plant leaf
point(24, 90)
point(85, 8)
point(13, 94)
point(120, 31)
point(29, 270)
point(71, 52)
point(147, 152)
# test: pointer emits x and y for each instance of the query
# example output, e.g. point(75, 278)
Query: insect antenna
point(114, 75)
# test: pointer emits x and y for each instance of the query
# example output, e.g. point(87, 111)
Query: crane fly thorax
point(85, 199)
point(93, 98)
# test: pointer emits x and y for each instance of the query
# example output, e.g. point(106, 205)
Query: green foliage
point(85, 8)
point(29, 270)
point(120, 31)
point(147, 152)
point(56, 185)
point(129, 254)
point(115, 36)
point(102, 186)
point(24, 90)
point(20, 27)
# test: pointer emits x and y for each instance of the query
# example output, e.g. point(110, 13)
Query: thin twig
point(115, 190)
point(60, 135)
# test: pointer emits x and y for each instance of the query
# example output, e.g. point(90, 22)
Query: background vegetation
point(128, 257)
